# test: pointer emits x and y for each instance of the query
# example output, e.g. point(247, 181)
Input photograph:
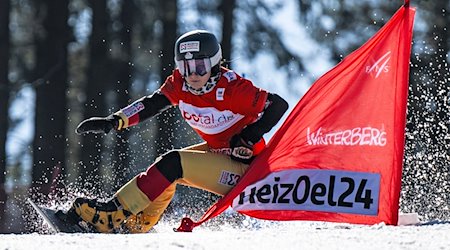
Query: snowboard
point(58, 220)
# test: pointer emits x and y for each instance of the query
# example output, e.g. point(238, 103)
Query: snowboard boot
point(140, 223)
point(105, 217)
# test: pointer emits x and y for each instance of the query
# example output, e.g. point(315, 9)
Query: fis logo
point(220, 93)
point(379, 66)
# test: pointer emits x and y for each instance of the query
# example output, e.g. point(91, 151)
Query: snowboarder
point(229, 113)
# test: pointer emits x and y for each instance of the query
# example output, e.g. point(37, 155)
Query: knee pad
point(164, 172)
point(169, 164)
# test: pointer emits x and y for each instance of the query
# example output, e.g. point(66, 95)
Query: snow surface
point(271, 235)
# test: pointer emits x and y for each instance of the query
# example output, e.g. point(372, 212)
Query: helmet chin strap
point(208, 87)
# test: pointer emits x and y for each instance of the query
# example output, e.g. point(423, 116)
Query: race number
point(229, 178)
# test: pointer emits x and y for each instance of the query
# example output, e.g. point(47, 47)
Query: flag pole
point(406, 4)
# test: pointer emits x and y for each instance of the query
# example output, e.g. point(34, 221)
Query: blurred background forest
point(62, 61)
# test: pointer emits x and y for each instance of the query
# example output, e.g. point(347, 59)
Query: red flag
point(338, 156)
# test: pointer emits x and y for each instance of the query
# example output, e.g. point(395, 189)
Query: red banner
point(338, 156)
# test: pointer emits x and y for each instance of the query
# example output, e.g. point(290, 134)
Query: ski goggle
point(200, 67)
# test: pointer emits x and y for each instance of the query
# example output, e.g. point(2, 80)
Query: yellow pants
point(202, 169)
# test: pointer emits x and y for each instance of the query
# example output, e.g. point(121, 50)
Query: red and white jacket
point(217, 115)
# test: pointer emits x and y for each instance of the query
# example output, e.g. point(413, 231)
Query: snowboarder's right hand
point(241, 150)
point(98, 125)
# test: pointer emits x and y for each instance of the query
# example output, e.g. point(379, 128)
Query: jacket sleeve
point(274, 110)
point(142, 109)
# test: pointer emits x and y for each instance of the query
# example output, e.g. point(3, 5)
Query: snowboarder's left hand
point(241, 150)
point(98, 125)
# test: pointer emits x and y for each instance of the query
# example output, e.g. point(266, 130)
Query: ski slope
point(268, 235)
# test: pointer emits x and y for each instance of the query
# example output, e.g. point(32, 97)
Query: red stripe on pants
point(152, 183)
point(133, 120)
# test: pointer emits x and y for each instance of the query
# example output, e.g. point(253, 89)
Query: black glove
point(241, 150)
point(98, 125)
